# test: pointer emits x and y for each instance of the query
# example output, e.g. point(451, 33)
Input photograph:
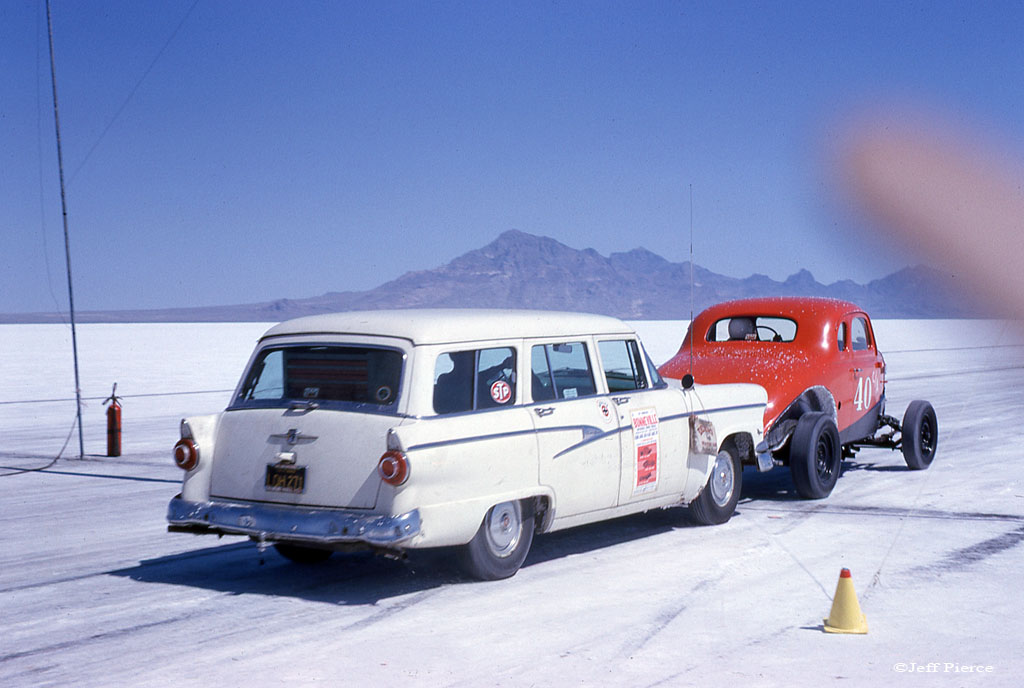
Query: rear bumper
point(273, 523)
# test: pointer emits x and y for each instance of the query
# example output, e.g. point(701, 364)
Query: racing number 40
point(865, 390)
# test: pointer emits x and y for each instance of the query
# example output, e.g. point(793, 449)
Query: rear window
point(754, 328)
point(325, 375)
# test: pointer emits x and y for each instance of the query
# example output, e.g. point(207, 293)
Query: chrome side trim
point(739, 407)
point(292, 523)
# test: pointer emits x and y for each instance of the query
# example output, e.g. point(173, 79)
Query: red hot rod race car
point(825, 378)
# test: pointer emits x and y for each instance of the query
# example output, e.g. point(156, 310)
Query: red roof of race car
point(810, 313)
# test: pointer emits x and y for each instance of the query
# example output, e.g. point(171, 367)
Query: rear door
point(577, 429)
point(481, 440)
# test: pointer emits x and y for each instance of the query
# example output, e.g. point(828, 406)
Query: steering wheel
point(776, 337)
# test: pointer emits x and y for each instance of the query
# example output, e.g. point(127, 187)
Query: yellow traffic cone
point(846, 616)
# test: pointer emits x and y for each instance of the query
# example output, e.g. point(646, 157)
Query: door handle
point(544, 411)
point(620, 400)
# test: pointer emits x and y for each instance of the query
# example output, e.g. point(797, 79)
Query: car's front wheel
point(920, 435)
point(815, 455)
point(501, 543)
point(716, 503)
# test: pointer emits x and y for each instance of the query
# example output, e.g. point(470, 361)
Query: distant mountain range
point(520, 270)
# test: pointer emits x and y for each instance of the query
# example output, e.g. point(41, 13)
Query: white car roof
point(442, 325)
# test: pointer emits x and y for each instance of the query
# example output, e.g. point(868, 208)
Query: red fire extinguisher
point(113, 423)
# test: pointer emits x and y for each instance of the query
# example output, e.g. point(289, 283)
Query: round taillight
point(393, 467)
point(186, 454)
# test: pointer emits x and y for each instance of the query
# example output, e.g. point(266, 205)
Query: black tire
point(815, 455)
point(301, 554)
point(716, 503)
point(501, 543)
point(920, 431)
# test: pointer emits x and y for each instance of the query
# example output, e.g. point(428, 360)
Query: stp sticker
point(501, 392)
point(606, 411)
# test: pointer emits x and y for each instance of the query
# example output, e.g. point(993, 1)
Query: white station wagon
point(391, 430)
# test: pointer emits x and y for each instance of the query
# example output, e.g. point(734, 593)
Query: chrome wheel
point(504, 528)
point(723, 479)
point(716, 503)
point(501, 542)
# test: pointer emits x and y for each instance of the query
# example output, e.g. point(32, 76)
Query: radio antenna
point(67, 243)
point(691, 281)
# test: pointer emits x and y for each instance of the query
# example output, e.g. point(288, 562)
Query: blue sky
point(234, 152)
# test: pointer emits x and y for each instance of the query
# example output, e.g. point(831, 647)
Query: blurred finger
point(947, 200)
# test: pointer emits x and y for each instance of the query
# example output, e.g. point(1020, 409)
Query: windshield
point(322, 375)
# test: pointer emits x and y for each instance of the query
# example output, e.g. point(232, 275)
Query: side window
point(476, 379)
point(542, 384)
point(561, 371)
point(841, 336)
point(859, 334)
point(623, 367)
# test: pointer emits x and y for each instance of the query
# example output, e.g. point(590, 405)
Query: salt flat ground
point(95, 592)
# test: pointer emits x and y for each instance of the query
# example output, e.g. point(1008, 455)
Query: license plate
point(285, 478)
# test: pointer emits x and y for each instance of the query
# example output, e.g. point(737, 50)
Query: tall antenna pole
point(692, 333)
point(67, 243)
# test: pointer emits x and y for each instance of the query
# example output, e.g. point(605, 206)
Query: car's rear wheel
point(302, 555)
point(717, 501)
point(920, 435)
point(815, 455)
point(501, 543)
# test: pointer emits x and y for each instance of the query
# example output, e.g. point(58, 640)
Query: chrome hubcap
point(723, 481)
point(504, 528)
